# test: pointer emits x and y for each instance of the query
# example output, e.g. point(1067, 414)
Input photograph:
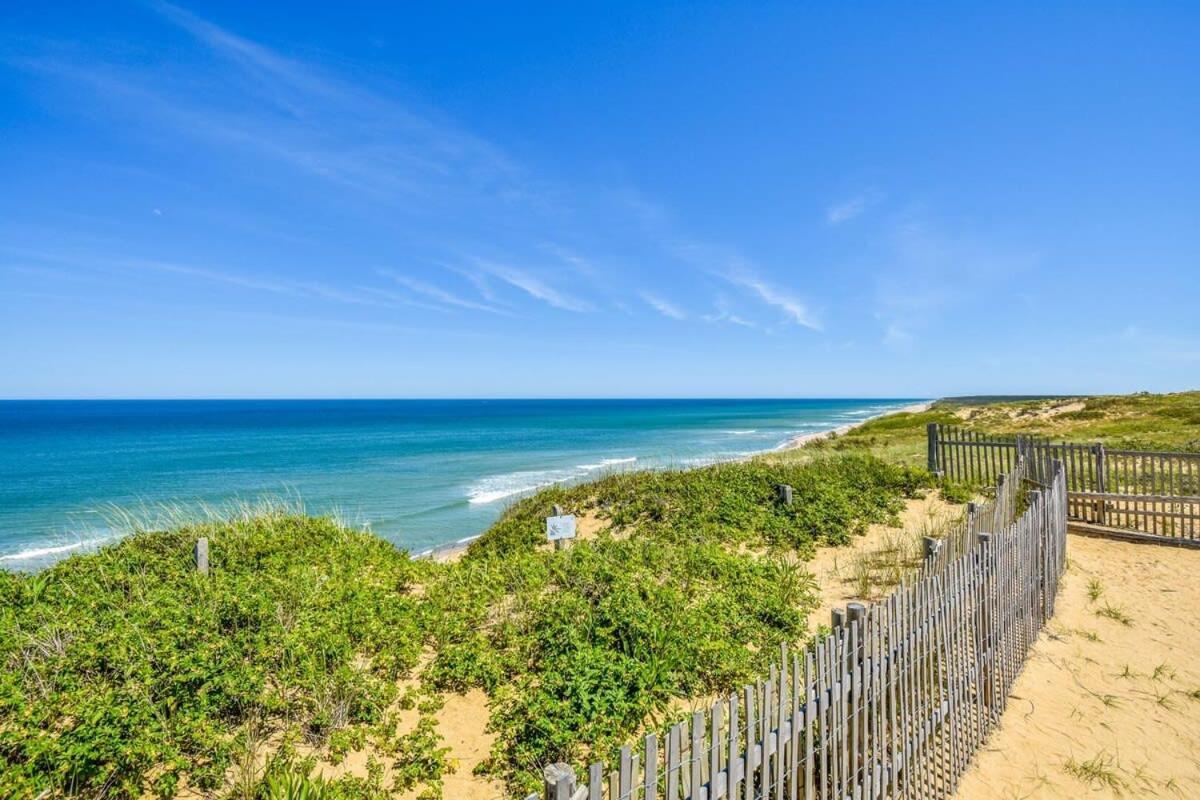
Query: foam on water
point(424, 472)
point(513, 484)
point(35, 556)
point(607, 462)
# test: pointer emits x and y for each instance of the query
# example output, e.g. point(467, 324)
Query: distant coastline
point(808, 438)
point(419, 473)
point(454, 550)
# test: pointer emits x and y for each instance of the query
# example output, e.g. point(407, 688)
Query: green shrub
point(126, 663)
point(126, 672)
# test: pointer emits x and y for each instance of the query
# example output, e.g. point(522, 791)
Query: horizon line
point(386, 398)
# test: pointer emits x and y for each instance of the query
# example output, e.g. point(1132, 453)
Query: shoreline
point(803, 439)
point(43, 554)
point(453, 551)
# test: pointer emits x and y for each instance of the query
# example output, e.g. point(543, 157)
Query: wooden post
point(560, 781)
point(1102, 504)
point(784, 493)
point(855, 612)
point(987, 659)
point(931, 431)
point(972, 511)
point(557, 510)
point(837, 618)
point(596, 780)
point(201, 555)
point(931, 546)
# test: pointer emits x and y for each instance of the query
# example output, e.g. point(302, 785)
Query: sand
point(1103, 708)
point(462, 723)
point(836, 569)
point(842, 430)
point(1079, 723)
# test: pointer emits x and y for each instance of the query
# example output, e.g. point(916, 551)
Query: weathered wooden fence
point(892, 704)
point(1148, 493)
point(992, 515)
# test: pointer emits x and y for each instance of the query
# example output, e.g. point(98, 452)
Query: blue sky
point(750, 199)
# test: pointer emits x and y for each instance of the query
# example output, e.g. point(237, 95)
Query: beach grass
point(1133, 422)
point(128, 674)
point(294, 650)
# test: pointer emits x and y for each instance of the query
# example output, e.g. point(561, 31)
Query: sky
point(598, 200)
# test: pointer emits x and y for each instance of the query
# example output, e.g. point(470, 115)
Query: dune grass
point(127, 672)
point(1137, 421)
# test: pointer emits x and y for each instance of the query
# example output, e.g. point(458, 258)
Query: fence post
point(201, 555)
point(972, 510)
point(557, 510)
point(560, 781)
point(987, 660)
point(1102, 504)
point(931, 434)
point(784, 493)
point(932, 546)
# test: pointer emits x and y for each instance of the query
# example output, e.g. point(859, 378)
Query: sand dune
point(1109, 702)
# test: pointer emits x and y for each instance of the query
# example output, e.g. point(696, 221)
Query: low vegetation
point(127, 674)
point(1137, 421)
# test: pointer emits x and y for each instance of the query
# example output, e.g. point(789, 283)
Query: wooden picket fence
point(894, 702)
point(992, 515)
point(1144, 493)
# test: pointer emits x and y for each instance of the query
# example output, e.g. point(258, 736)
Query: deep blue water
point(420, 472)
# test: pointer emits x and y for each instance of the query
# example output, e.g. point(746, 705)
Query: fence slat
point(897, 699)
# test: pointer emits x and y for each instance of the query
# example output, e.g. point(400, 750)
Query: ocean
point(421, 473)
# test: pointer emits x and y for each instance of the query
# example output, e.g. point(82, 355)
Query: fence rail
point(894, 702)
point(1146, 492)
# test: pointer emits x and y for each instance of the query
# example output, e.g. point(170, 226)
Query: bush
point(127, 672)
point(126, 663)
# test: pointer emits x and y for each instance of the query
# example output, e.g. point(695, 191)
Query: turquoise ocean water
point(422, 473)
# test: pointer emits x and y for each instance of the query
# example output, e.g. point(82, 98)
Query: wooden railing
point(892, 704)
point(1145, 493)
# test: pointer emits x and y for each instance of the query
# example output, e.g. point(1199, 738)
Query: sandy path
point(1104, 708)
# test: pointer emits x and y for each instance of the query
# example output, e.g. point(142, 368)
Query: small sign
point(560, 527)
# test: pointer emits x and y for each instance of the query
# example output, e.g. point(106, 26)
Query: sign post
point(560, 528)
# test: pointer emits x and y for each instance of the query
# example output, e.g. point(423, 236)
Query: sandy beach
point(1109, 702)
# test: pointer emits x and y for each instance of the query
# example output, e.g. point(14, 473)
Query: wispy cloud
point(574, 260)
point(664, 307)
point(847, 210)
point(535, 287)
point(733, 268)
point(347, 141)
point(794, 309)
point(439, 294)
point(295, 113)
point(724, 313)
point(353, 295)
point(734, 319)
